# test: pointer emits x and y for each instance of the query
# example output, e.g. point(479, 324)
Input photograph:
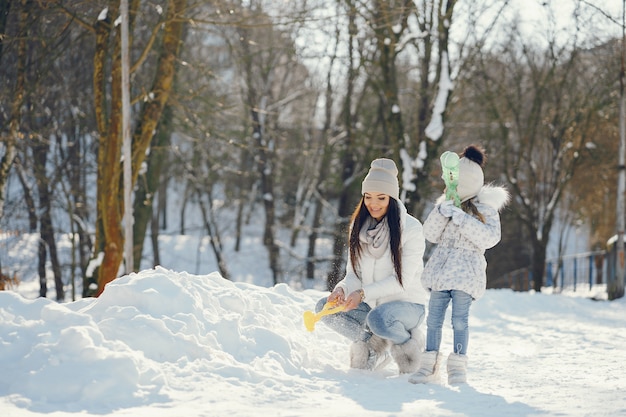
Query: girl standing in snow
point(381, 291)
point(456, 271)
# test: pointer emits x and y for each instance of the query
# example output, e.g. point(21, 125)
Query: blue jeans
point(439, 300)
point(393, 320)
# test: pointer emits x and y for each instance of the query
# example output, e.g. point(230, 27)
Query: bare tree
point(271, 89)
point(433, 91)
point(389, 23)
point(10, 138)
point(539, 107)
point(109, 233)
point(148, 185)
point(41, 67)
point(346, 146)
point(47, 243)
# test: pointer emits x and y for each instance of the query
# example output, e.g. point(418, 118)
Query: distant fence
point(572, 271)
point(567, 272)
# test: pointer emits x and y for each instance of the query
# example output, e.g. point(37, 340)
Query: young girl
point(456, 270)
point(384, 300)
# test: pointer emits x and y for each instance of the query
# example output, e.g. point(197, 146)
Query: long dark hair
point(469, 207)
point(359, 216)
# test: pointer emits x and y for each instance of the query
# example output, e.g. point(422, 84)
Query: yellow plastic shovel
point(311, 318)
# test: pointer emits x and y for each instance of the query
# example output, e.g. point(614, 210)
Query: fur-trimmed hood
point(491, 195)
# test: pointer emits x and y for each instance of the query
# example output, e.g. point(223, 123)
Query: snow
point(103, 14)
point(166, 342)
point(180, 340)
point(434, 130)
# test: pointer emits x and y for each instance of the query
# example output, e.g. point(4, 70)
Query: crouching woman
point(382, 294)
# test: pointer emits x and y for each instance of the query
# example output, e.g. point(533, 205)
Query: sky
point(180, 340)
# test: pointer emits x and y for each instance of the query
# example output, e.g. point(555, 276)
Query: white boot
point(429, 368)
point(370, 355)
point(407, 355)
point(457, 369)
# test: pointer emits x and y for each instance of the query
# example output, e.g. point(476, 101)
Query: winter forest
point(262, 116)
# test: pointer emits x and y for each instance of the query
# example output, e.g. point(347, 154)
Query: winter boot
point(370, 355)
point(457, 369)
point(429, 368)
point(407, 355)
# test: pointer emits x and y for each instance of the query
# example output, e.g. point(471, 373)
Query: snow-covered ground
point(177, 342)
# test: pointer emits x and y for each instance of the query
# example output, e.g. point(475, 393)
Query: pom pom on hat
point(471, 177)
point(382, 178)
point(475, 154)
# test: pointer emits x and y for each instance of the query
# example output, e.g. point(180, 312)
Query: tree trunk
point(324, 169)
point(538, 267)
point(109, 233)
point(245, 192)
point(442, 11)
point(214, 237)
point(265, 168)
point(154, 235)
point(263, 153)
point(390, 24)
point(239, 221)
point(347, 166)
point(5, 7)
point(28, 197)
point(317, 222)
point(40, 158)
point(18, 96)
point(41, 269)
point(77, 174)
point(47, 236)
point(148, 186)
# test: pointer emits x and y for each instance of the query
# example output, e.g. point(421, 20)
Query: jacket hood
point(493, 196)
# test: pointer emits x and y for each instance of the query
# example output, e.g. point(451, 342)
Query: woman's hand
point(353, 300)
point(350, 303)
point(337, 296)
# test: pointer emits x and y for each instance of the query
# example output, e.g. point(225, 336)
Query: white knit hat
point(382, 178)
point(471, 177)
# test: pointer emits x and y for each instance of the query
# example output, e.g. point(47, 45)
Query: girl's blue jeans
point(394, 320)
point(439, 300)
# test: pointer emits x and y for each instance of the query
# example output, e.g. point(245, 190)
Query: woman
point(456, 271)
point(381, 291)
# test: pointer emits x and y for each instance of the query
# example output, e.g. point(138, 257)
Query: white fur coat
point(378, 277)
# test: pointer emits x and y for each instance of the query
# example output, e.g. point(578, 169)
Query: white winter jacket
point(458, 262)
point(379, 280)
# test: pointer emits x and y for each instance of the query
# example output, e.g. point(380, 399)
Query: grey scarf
point(375, 236)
